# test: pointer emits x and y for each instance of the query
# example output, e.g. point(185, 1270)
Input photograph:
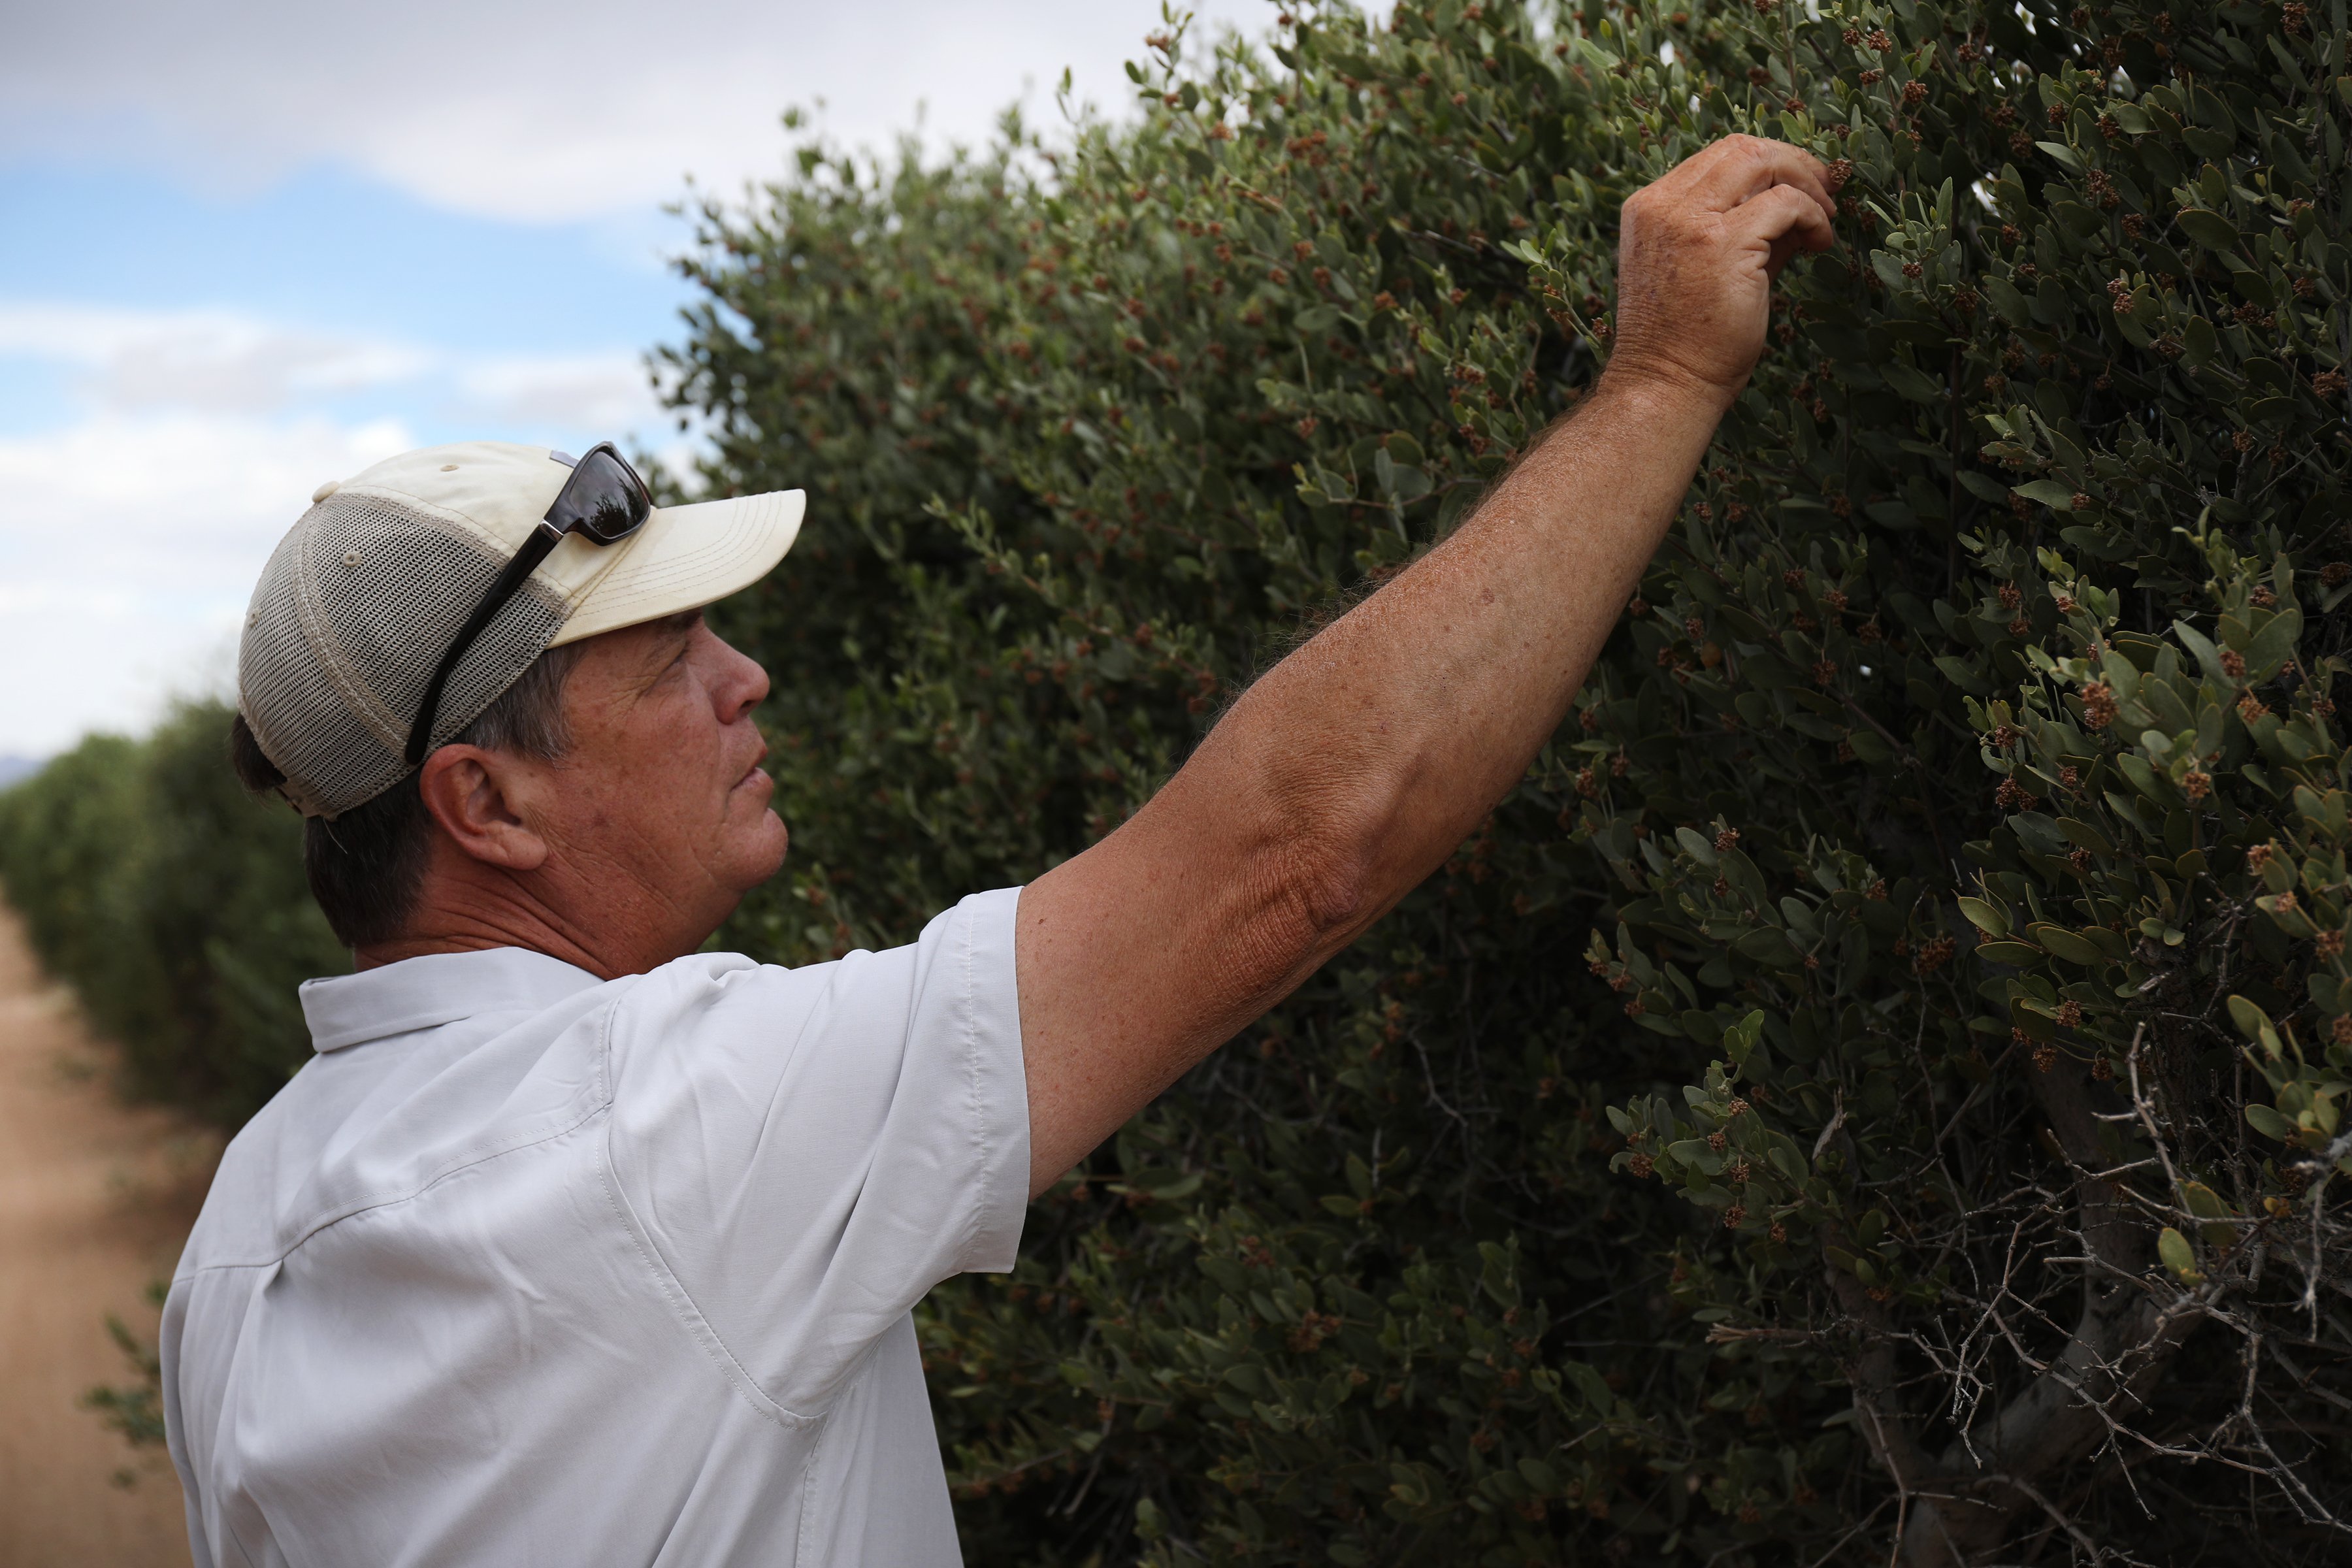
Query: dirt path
point(95, 1201)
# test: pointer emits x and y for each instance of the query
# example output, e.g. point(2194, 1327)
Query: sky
point(246, 248)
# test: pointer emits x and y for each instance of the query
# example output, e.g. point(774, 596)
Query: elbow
point(1324, 883)
point(1338, 889)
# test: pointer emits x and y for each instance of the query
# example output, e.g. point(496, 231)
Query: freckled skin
point(630, 848)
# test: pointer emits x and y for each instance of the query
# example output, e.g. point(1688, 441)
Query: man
point(574, 1244)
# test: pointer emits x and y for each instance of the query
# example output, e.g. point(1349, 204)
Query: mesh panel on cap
point(351, 616)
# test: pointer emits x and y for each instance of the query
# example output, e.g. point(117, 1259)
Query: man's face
point(660, 806)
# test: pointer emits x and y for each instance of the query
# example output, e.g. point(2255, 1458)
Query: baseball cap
point(364, 594)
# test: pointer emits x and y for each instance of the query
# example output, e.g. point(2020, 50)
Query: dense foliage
point(1877, 1082)
point(173, 904)
point(1875, 1090)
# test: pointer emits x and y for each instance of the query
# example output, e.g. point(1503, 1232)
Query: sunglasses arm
point(536, 549)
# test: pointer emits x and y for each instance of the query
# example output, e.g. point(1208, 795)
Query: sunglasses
point(605, 502)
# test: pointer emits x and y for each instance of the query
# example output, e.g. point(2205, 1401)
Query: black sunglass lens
point(607, 498)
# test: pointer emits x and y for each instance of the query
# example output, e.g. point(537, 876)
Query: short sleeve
point(806, 1152)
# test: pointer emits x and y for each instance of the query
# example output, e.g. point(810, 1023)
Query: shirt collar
point(438, 988)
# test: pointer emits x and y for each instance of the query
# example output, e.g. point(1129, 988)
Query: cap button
point(323, 492)
point(448, 467)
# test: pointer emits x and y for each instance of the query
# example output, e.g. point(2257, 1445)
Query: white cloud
point(603, 393)
point(536, 108)
point(127, 360)
point(129, 548)
point(220, 360)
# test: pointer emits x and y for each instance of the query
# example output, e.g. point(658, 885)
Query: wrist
point(1664, 398)
point(1664, 390)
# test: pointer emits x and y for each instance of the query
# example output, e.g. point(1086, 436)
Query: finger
point(1816, 185)
point(1807, 173)
point(1690, 179)
point(1739, 168)
point(1815, 182)
point(1783, 218)
point(1703, 168)
point(1784, 251)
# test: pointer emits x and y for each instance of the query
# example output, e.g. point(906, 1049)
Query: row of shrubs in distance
point(172, 905)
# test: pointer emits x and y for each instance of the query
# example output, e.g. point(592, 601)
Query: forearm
point(1387, 737)
point(1358, 764)
point(1349, 773)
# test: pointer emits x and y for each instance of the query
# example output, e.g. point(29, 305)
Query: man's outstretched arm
point(1359, 762)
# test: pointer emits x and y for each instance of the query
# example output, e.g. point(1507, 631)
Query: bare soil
point(96, 1199)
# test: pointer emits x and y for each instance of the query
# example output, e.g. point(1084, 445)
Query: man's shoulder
point(671, 995)
point(375, 1123)
point(980, 922)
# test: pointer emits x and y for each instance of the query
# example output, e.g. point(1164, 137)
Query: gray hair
point(366, 865)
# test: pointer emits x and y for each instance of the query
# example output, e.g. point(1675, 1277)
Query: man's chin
point(769, 857)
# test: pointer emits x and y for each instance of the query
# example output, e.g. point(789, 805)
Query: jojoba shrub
point(1873, 1091)
point(175, 908)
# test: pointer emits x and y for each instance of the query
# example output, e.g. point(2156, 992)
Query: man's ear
point(473, 795)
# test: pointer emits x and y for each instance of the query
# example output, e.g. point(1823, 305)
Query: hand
point(1697, 251)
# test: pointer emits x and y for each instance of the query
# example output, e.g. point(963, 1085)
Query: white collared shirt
point(527, 1269)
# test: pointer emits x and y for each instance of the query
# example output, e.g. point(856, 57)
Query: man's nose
point(742, 686)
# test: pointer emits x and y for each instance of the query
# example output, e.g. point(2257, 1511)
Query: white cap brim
point(685, 557)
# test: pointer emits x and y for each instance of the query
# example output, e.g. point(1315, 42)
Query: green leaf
point(1694, 1152)
point(2251, 1020)
point(2078, 220)
point(1985, 917)
point(2199, 343)
point(2206, 1204)
point(1912, 384)
point(1983, 487)
point(2208, 658)
point(2065, 945)
point(2273, 414)
point(1962, 674)
point(2269, 1123)
point(2082, 835)
point(2049, 492)
point(2208, 229)
point(2273, 644)
point(2202, 1201)
point(2253, 1023)
point(2174, 1248)
point(1769, 945)
point(2007, 302)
